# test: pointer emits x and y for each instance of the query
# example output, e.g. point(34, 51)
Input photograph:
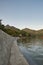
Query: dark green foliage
point(1, 25)
point(23, 33)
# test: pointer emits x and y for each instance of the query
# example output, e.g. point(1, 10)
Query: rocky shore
point(9, 51)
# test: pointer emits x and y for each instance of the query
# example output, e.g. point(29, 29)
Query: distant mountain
point(29, 30)
point(34, 33)
point(41, 30)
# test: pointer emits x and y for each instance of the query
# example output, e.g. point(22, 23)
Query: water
point(33, 51)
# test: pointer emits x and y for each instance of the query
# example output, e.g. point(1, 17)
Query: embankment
point(9, 51)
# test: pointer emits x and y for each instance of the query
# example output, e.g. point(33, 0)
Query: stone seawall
point(9, 51)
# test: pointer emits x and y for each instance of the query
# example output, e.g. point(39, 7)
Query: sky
point(22, 13)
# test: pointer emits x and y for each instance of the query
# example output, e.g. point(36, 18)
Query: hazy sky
point(22, 13)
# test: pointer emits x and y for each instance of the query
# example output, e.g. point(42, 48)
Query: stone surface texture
point(9, 51)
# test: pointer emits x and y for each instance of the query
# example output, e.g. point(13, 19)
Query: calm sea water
point(32, 51)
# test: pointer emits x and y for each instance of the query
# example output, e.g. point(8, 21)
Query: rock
point(9, 51)
point(5, 48)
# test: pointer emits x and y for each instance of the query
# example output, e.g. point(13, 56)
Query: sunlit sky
point(22, 13)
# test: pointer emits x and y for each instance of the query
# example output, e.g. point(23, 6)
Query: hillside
point(12, 30)
point(26, 32)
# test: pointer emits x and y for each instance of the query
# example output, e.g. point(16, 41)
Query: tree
point(1, 25)
point(0, 21)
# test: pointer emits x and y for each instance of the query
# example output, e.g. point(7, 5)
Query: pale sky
point(22, 13)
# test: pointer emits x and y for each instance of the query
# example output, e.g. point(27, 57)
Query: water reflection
point(32, 50)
